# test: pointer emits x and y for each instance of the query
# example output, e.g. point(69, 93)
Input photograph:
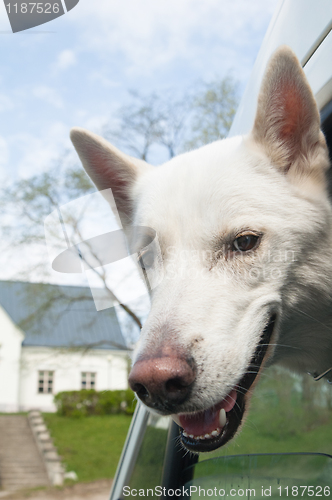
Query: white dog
point(246, 224)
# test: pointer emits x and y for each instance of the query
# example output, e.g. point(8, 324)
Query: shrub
point(90, 402)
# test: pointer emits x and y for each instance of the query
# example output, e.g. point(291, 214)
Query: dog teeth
point(222, 418)
point(203, 436)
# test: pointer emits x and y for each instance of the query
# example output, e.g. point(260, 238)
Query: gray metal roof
point(60, 316)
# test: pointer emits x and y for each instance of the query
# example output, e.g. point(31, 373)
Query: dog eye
point(245, 242)
point(145, 260)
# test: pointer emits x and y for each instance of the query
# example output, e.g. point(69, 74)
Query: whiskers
point(235, 400)
point(281, 345)
point(314, 319)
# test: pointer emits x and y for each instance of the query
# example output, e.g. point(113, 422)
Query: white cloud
point(100, 77)
point(65, 60)
point(38, 153)
point(110, 44)
point(4, 154)
point(49, 95)
point(5, 103)
point(4, 21)
point(151, 35)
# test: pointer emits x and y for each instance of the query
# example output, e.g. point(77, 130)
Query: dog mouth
point(209, 429)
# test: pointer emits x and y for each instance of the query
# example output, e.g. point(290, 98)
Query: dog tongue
point(205, 422)
point(201, 423)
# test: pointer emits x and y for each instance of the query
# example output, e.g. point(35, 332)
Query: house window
point(45, 382)
point(88, 380)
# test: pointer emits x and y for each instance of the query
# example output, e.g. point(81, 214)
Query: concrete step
point(21, 465)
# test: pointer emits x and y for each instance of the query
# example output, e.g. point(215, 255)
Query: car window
point(285, 442)
point(272, 475)
point(326, 119)
point(148, 469)
point(287, 430)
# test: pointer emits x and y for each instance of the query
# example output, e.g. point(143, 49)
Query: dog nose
point(162, 382)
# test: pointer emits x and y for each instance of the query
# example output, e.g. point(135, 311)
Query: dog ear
point(287, 122)
point(109, 168)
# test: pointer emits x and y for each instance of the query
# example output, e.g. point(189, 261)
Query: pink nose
point(162, 382)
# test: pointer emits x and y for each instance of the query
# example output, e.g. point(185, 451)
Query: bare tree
point(151, 120)
point(166, 121)
point(29, 202)
point(174, 122)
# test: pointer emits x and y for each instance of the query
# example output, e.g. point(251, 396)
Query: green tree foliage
point(89, 402)
point(213, 109)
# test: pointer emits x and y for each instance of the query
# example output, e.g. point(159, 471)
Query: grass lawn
point(90, 446)
point(280, 421)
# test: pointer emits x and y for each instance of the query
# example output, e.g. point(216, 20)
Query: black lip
point(234, 417)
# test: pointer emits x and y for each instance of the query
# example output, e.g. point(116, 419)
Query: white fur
point(215, 310)
point(226, 308)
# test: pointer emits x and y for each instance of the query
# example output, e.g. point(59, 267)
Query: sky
point(77, 69)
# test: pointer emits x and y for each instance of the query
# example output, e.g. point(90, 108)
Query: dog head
point(236, 221)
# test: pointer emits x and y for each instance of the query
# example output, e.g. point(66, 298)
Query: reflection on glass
point(149, 465)
point(266, 475)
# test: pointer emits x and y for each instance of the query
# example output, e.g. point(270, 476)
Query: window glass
point(288, 413)
point(45, 382)
point(266, 475)
point(326, 117)
point(88, 380)
point(148, 468)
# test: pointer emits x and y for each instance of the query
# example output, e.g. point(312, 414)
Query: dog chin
point(210, 428)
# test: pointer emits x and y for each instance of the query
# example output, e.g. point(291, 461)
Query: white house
point(52, 339)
